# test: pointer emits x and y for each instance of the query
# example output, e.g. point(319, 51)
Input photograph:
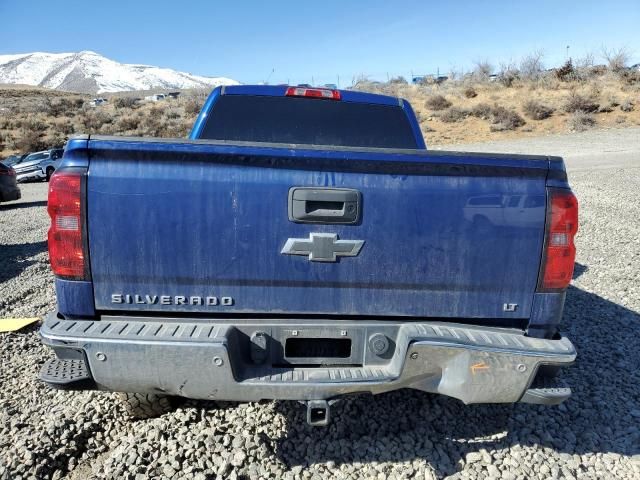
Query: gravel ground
point(596, 434)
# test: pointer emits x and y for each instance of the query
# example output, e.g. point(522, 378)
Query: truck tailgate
point(200, 226)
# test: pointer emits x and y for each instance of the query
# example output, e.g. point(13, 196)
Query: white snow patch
point(50, 70)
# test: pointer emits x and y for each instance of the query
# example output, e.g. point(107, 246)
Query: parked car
point(156, 97)
point(96, 102)
point(303, 244)
point(13, 160)
point(39, 165)
point(500, 210)
point(8, 184)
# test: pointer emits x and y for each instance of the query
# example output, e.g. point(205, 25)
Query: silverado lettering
point(170, 300)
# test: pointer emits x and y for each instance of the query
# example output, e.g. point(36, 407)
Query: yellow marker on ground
point(15, 324)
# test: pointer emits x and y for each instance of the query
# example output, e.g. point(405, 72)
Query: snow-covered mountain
point(89, 72)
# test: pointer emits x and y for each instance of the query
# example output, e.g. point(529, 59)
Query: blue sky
point(319, 40)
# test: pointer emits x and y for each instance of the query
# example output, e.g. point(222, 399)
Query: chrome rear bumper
point(207, 359)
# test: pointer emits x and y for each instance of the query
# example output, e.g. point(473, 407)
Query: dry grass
point(580, 103)
point(536, 110)
point(33, 119)
point(580, 121)
point(437, 102)
point(627, 106)
point(453, 114)
point(503, 119)
point(467, 110)
point(470, 92)
point(548, 101)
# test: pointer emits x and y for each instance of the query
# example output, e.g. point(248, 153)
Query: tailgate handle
point(324, 205)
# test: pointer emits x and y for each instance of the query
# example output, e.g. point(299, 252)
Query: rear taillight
point(9, 172)
point(325, 93)
point(560, 250)
point(66, 243)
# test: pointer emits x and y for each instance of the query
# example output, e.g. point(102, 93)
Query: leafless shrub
point(586, 62)
point(34, 125)
point(621, 119)
point(127, 123)
point(536, 110)
point(399, 80)
point(504, 119)
point(172, 114)
point(627, 106)
point(598, 70)
point(157, 111)
point(56, 139)
point(508, 73)
point(426, 128)
point(481, 110)
point(177, 129)
point(30, 141)
point(617, 58)
point(613, 102)
point(108, 129)
point(482, 69)
point(152, 125)
point(455, 74)
point(580, 121)
point(470, 92)
point(579, 103)
point(64, 128)
point(566, 72)
point(92, 120)
point(437, 102)
point(531, 66)
point(454, 114)
point(608, 105)
point(10, 141)
point(629, 77)
point(61, 107)
point(192, 106)
point(125, 102)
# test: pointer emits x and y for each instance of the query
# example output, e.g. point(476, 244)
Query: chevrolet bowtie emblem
point(322, 247)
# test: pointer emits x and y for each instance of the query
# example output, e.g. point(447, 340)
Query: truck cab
point(39, 165)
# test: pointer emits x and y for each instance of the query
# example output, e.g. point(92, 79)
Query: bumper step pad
point(546, 396)
point(546, 391)
point(66, 374)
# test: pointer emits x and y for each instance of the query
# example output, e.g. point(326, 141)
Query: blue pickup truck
point(303, 244)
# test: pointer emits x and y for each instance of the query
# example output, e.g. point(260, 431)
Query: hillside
point(470, 110)
point(474, 110)
point(89, 72)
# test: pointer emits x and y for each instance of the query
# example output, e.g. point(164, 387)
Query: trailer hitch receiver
point(318, 413)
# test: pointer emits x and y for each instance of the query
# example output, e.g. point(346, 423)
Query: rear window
point(254, 118)
point(486, 200)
